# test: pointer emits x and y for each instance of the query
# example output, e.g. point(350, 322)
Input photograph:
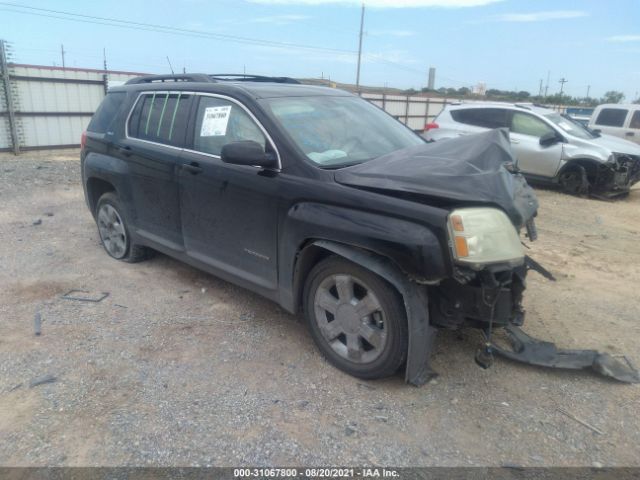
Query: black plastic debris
point(42, 380)
point(37, 324)
point(527, 349)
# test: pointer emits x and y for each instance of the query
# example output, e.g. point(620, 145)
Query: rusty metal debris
point(580, 421)
point(88, 297)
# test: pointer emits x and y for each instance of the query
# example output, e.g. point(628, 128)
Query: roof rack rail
point(241, 77)
point(185, 77)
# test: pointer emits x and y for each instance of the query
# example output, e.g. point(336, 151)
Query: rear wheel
point(114, 232)
point(356, 319)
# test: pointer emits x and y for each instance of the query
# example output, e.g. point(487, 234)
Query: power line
point(114, 22)
point(360, 47)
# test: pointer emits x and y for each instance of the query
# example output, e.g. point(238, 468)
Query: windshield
point(570, 126)
point(340, 131)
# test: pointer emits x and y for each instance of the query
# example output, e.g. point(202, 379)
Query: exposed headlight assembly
point(482, 236)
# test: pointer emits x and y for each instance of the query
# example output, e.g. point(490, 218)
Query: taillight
point(431, 126)
point(83, 140)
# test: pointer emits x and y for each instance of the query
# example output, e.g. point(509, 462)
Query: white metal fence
point(413, 111)
point(50, 106)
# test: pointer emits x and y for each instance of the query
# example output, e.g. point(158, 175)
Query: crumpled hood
point(468, 169)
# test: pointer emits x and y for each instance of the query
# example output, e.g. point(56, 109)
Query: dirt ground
point(178, 368)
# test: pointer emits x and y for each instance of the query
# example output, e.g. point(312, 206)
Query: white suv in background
point(617, 119)
point(549, 147)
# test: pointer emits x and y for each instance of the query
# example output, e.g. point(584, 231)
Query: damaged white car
point(549, 147)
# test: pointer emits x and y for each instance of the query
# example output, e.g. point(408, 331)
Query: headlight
point(480, 236)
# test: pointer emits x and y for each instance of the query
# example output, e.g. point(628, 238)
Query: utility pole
point(588, 88)
point(562, 81)
point(105, 75)
point(540, 89)
point(360, 48)
point(62, 52)
point(546, 89)
point(6, 84)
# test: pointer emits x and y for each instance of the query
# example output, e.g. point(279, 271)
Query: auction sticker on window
point(214, 123)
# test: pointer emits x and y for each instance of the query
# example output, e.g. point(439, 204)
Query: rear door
point(156, 130)
point(632, 132)
point(533, 158)
point(474, 120)
point(229, 212)
point(611, 120)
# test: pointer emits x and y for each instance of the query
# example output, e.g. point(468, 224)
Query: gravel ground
point(178, 368)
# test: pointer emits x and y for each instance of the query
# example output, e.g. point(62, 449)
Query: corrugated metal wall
point(413, 111)
point(53, 105)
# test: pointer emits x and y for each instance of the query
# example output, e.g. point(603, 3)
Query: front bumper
point(617, 176)
point(493, 299)
point(491, 296)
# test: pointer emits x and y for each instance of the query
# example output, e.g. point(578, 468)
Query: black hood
point(468, 169)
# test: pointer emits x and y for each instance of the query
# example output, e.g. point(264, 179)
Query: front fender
point(418, 250)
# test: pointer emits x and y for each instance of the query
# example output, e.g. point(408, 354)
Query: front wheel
point(574, 181)
point(356, 319)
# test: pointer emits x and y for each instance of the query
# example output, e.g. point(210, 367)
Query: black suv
point(318, 200)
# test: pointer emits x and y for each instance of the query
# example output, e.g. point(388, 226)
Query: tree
point(613, 96)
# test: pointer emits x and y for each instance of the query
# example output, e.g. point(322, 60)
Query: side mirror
point(248, 152)
point(549, 139)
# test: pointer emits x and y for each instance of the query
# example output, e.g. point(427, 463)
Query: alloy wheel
point(350, 318)
point(112, 231)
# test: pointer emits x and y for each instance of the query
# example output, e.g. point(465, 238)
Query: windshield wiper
point(336, 166)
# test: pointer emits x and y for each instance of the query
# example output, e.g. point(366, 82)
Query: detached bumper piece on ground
point(527, 349)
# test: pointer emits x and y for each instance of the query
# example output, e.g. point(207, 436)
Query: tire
point(574, 181)
point(370, 339)
point(114, 231)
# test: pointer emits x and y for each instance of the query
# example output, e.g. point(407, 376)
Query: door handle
point(124, 149)
point(629, 134)
point(513, 140)
point(193, 168)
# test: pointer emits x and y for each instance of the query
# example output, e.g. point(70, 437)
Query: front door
point(229, 212)
point(533, 158)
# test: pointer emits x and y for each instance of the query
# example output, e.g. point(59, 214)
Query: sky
point(505, 44)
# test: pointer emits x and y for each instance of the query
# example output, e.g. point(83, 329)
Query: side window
point(635, 120)
point(529, 125)
point(219, 122)
point(482, 117)
point(160, 118)
point(106, 113)
point(611, 117)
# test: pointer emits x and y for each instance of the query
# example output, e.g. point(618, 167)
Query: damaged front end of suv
point(617, 175)
point(491, 205)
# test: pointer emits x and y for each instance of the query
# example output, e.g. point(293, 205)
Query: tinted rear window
point(106, 113)
point(160, 118)
point(482, 117)
point(611, 117)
